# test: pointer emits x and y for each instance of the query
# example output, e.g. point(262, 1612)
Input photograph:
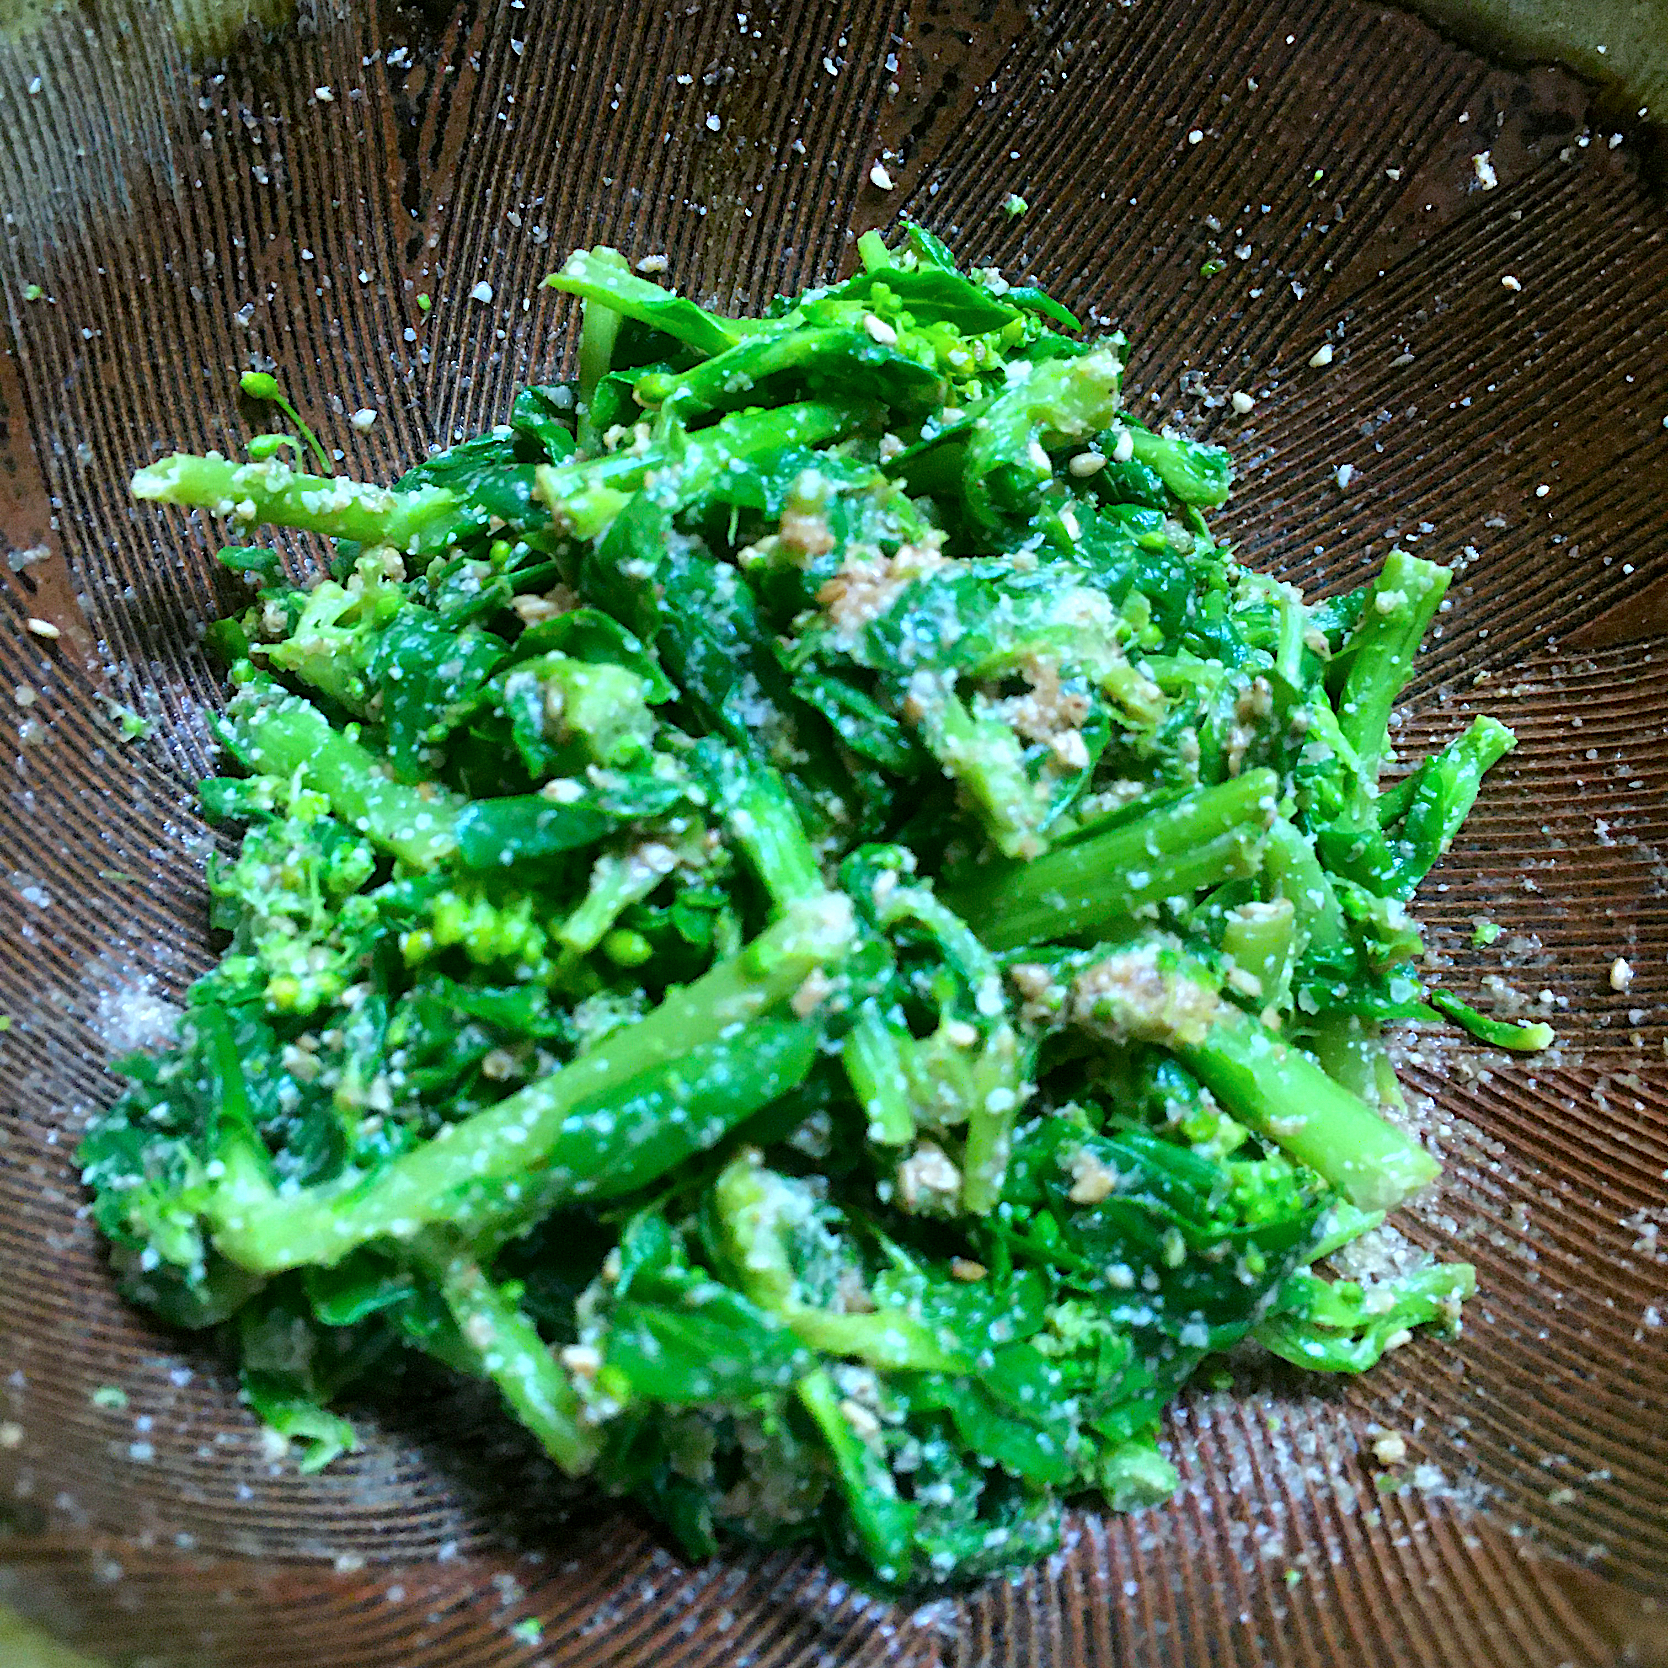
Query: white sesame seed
point(324, 95)
point(1510, 283)
point(1086, 464)
point(880, 178)
point(1241, 402)
point(363, 418)
point(1345, 473)
point(1321, 357)
point(860, 1418)
point(880, 331)
point(1621, 975)
point(1542, 490)
point(42, 628)
point(1390, 1450)
point(1124, 447)
point(653, 263)
point(1195, 136)
point(481, 292)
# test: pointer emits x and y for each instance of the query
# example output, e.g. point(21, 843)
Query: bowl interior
point(1232, 184)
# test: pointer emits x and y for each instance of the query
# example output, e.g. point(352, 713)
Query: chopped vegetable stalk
point(585, 495)
point(1526, 1038)
point(413, 523)
point(277, 734)
point(1401, 602)
point(596, 342)
point(873, 1057)
point(507, 1348)
point(1154, 995)
point(1442, 792)
point(1200, 840)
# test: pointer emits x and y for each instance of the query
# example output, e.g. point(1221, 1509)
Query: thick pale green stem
point(873, 1059)
point(1204, 838)
point(507, 1348)
point(1401, 602)
point(1154, 993)
point(1261, 937)
point(1290, 863)
point(274, 733)
point(414, 523)
point(1282, 1093)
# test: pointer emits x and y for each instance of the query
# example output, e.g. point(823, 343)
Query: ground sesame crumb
point(1321, 357)
point(1621, 975)
point(42, 628)
point(1241, 402)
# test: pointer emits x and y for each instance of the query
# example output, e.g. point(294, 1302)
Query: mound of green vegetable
point(800, 915)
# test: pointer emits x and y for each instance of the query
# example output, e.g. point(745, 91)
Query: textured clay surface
point(184, 223)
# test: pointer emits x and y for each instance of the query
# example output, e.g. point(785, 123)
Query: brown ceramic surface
point(185, 224)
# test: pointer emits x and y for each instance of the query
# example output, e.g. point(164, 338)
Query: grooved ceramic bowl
point(1233, 183)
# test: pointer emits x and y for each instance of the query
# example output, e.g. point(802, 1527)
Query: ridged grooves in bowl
point(149, 238)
